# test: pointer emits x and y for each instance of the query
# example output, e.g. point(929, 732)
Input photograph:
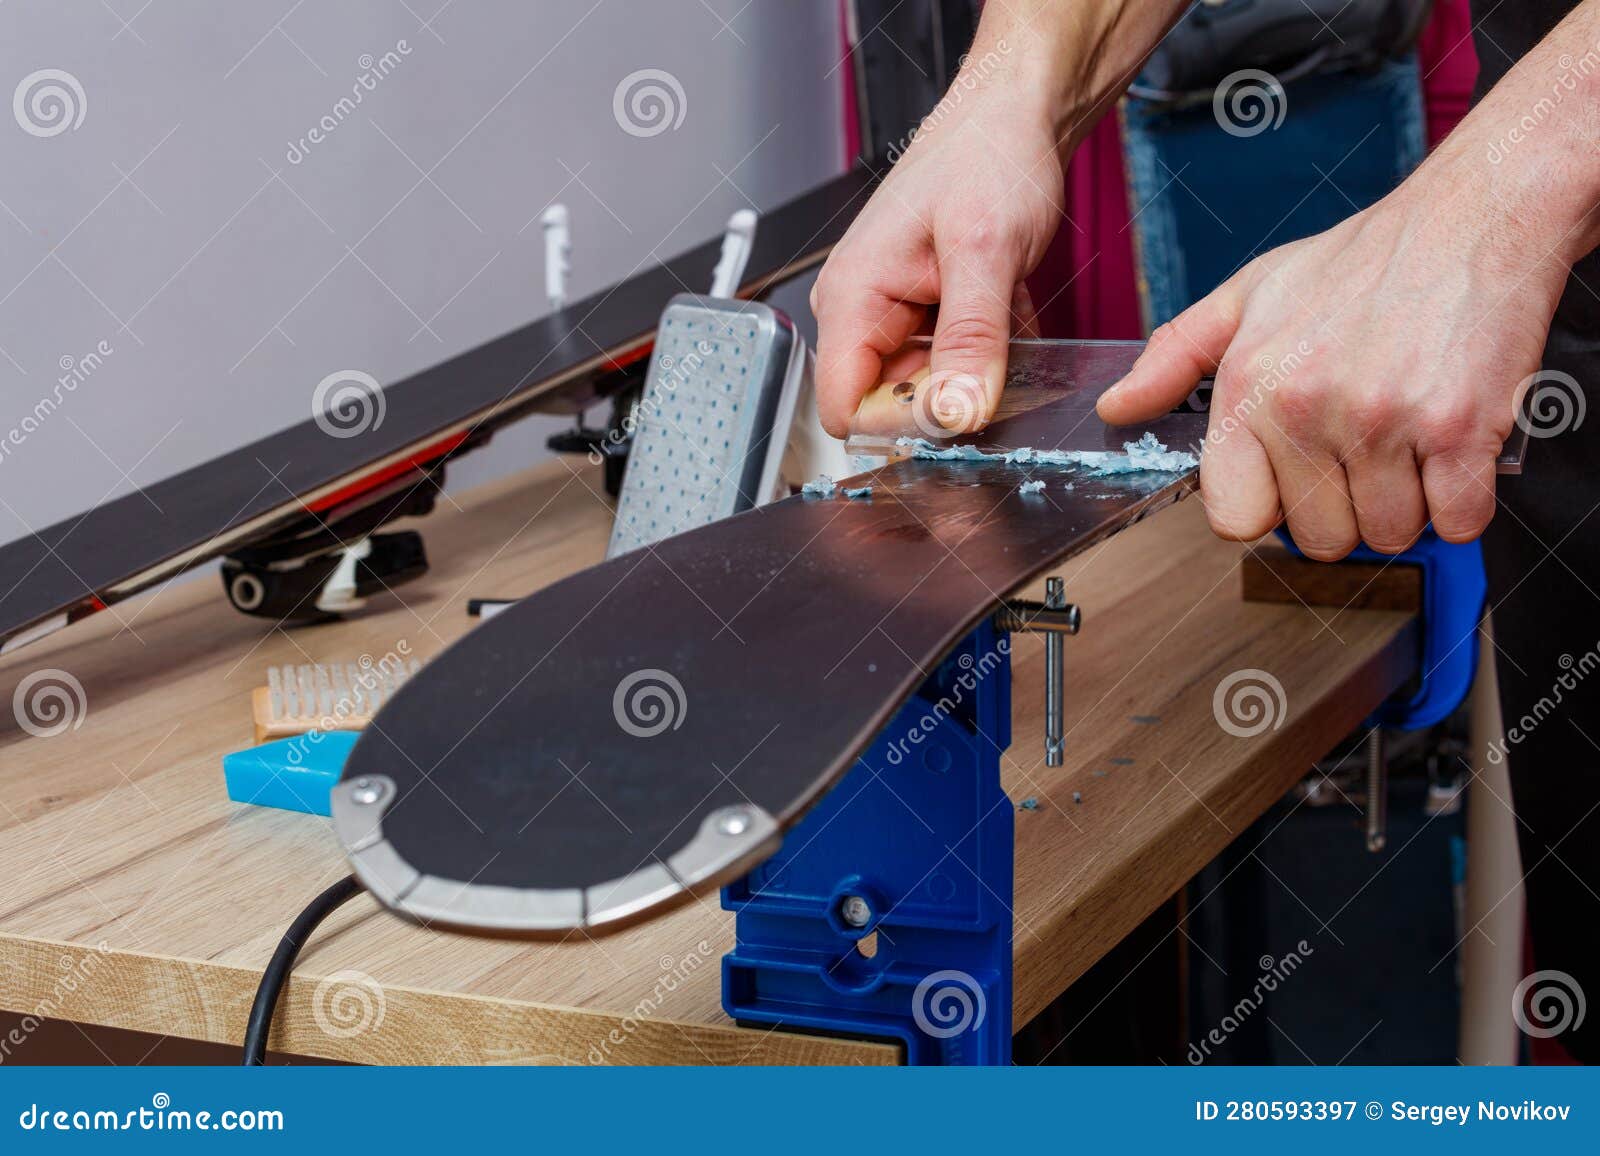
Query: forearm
point(1068, 59)
point(1528, 156)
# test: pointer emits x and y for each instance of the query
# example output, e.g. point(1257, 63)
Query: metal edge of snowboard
point(729, 842)
point(435, 445)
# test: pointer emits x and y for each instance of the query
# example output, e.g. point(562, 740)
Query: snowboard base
point(651, 727)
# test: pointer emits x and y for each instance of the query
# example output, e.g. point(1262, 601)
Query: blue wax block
point(293, 774)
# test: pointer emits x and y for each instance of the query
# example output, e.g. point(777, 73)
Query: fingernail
point(958, 403)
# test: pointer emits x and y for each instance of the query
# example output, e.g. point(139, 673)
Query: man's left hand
point(1364, 376)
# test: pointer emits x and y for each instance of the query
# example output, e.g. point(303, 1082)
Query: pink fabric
point(847, 78)
point(1085, 285)
point(1449, 66)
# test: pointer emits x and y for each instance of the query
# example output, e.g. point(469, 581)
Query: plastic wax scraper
point(293, 774)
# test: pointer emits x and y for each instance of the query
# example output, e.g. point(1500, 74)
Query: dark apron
point(1543, 557)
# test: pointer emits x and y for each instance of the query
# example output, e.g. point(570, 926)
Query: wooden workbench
point(125, 868)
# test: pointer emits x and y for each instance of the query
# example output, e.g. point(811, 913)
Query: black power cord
point(277, 973)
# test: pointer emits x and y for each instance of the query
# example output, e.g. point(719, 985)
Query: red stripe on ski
point(423, 457)
point(631, 358)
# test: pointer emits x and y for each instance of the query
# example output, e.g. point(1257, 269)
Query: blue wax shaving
point(1030, 487)
point(1145, 455)
point(1029, 804)
point(859, 492)
point(823, 487)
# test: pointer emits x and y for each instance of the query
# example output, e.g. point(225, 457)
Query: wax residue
point(826, 487)
point(1030, 487)
point(1145, 455)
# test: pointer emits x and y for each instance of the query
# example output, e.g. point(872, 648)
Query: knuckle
point(1394, 539)
point(1371, 412)
point(1443, 429)
point(983, 236)
point(1236, 525)
point(1460, 507)
point(1302, 405)
point(1231, 385)
point(1325, 545)
point(968, 331)
point(1448, 493)
point(1235, 520)
point(1462, 522)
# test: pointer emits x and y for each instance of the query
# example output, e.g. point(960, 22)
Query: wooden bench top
point(126, 870)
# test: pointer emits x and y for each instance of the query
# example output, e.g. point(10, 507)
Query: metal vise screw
point(1054, 618)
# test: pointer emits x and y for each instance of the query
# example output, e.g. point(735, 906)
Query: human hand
point(1365, 377)
point(959, 221)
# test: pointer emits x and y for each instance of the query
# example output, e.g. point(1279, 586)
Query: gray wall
point(227, 277)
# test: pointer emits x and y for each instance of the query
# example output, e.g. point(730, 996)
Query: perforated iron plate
point(713, 415)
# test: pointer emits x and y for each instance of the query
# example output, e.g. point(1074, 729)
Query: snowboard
point(650, 727)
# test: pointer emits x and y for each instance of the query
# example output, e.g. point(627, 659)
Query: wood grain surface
point(1270, 573)
point(134, 894)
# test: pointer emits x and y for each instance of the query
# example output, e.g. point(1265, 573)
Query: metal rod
point(1377, 792)
point(1055, 599)
point(1019, 614)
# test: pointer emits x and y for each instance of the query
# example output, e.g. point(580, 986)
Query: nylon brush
point(309, 697)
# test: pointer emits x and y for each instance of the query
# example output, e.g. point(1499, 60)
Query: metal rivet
point(904, 391)
point(366, 792)
point(855, 911)
point(736, 821)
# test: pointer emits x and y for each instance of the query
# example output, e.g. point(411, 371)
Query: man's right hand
point(963, 217)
